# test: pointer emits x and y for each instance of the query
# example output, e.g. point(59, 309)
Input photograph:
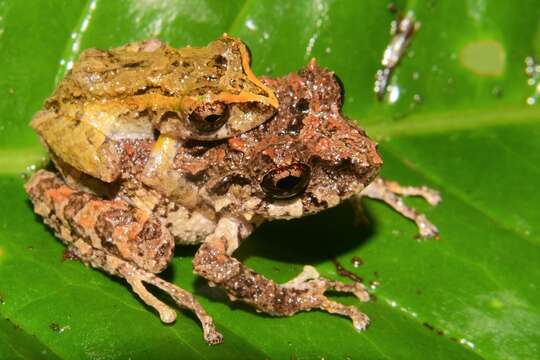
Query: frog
point(214, 194)
point(131, 91)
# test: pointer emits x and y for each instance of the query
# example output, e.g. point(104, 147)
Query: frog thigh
point(79, 144)
point(76, 216)
point(113, 226)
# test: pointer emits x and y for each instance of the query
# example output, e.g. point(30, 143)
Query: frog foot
point(392, 193)
point(309, 280)
point(136, 277)
point(303, 293)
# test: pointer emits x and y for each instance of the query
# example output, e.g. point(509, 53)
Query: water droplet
point(328, 50)
point(311, 43)
point(417, 98)
point(415, 75)
point(356, 261)
point(265, 35)
point(393, 91)
point(250, 24)
point(374, 284)
point(532, 70)
point(467, 343)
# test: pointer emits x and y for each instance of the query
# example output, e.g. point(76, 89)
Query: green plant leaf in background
point(460, 124)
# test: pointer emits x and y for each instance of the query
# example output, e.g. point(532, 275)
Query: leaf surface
point(460, 124)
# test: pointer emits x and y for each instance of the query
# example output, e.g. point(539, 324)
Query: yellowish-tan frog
point(131, 91)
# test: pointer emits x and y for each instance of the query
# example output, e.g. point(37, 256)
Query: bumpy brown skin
point(304, 160)
point(309, 129)
point(124, 231)
point(117, 238)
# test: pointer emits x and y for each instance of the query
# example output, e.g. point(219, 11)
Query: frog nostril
point(302, 105)
point(220, 61)
point(300, 109)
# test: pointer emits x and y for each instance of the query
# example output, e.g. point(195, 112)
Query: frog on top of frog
point(156, 146)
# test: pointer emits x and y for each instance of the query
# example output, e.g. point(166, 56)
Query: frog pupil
point(212, 118)
point(209, 117)
point(286, 182)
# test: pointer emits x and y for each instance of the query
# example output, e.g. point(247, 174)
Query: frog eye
point(209, 117)
point(286, 182)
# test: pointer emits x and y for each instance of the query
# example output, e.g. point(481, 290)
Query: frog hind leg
point(114, 237)
point(391, 193)
point(214, 261)
point(136, 276)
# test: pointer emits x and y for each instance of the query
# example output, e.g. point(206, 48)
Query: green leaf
point(460, 124)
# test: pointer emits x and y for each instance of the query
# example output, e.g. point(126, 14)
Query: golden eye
point(209, 117)
point(286, 182)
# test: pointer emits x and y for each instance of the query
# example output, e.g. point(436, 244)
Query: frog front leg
point(214, 261)
point(117, 238)
point(390, 192)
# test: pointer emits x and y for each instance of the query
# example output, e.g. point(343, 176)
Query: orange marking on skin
point(269, 152)
point(89, 214)
point(120, 235)
point(323, 145)
point(59, 194)
point(129, 149)
point(141, 216)
point(220, 154)
point(134, 230)
point(272, 99)
point(193, 167)
point(237, 144)
point(295, 81)
point(120, 231)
